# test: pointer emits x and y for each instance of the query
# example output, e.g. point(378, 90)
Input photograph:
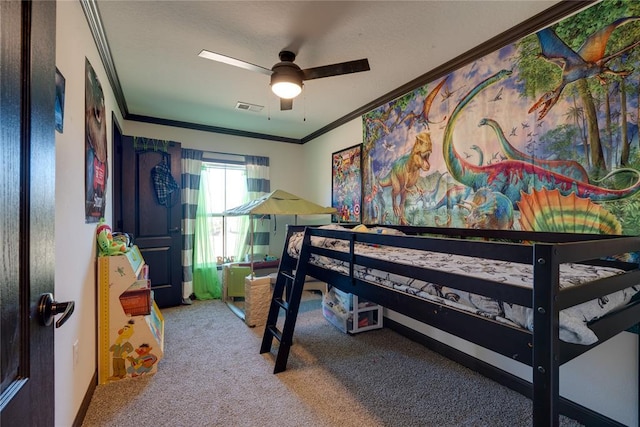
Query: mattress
point(573, 320)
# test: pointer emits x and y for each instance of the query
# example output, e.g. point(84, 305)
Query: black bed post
point(546, 342)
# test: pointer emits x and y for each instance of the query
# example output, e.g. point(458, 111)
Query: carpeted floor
point(213, 375)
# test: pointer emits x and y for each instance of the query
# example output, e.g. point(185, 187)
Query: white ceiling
point(154, 48)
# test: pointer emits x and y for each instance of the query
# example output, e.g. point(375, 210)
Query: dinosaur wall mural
point(404, 174)
point(570, 168)
point(511, 177)
point(532, 136)
point(588, 61)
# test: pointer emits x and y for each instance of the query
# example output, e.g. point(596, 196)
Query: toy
point(106, 245)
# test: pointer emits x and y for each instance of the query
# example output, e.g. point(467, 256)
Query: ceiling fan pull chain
point(268, 105)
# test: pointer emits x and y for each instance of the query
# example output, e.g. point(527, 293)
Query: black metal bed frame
point(542, 350)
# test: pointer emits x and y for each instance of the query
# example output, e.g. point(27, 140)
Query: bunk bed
point(569, 292)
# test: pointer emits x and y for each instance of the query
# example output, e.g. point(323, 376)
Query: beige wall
point(75, 241)
point(317, 157)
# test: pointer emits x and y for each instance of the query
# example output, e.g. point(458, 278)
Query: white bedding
point(573, 320)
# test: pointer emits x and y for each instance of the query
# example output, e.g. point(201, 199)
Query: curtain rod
point(220, 152)
point(205, 152)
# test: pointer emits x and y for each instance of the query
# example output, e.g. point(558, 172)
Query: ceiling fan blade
point(286, 104)
point(235, 62)
point(336, 69)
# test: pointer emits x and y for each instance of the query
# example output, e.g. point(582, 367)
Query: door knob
point(48, 309)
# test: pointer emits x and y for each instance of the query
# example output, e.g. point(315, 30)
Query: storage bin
point(337, 317)
point(136, 302)
point(350, 314)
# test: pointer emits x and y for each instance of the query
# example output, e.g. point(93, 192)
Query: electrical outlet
point(75, 353)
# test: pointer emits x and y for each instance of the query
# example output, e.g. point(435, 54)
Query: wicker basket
point(257, 298)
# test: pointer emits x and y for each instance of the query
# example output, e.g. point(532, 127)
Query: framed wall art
point(346, 184)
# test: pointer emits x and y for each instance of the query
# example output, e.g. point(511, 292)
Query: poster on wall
point(96, 167)
point(59, 105)
point(539, 135)
point(346, 184)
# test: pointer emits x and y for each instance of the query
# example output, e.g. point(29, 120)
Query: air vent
point(248, 107)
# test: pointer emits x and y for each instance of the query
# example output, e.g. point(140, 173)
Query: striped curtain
point(191, 164)
point(258, 184)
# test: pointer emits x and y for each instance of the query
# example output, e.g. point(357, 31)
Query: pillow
point(332, 227)
point(327, 242)
point(387, 230)
point(360, 228)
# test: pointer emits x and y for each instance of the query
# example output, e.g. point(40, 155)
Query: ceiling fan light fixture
point(286, 90)
point(286, 76)
point(286, 81)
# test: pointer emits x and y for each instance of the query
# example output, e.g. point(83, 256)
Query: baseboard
point(569, 408)
point(82, 412)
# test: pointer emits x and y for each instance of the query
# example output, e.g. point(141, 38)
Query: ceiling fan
point(287, 77)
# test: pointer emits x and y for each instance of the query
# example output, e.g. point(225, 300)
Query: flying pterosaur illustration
point(588, 61)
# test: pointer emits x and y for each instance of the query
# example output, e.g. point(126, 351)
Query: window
point(223, 186)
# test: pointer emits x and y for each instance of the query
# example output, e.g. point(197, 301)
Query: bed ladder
point(287, 294)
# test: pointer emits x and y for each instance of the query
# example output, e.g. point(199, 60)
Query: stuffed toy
point(106, 245)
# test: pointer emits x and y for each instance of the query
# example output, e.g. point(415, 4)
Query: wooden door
point(27, 209)
point(155, 227)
